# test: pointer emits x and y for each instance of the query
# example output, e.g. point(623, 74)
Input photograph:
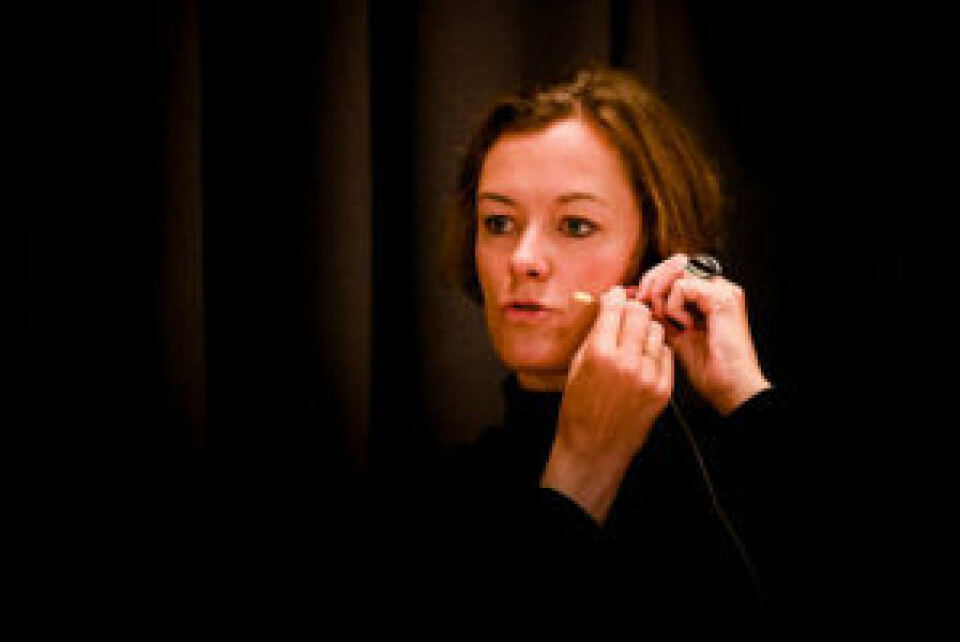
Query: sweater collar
point(531, 409)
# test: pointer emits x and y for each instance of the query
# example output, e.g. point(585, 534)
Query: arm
point(752, 447)
point(620, 380)
point(622, 377)
point(763, 472)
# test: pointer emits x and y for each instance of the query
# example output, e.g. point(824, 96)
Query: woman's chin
point(530, 358)
point(550, 368)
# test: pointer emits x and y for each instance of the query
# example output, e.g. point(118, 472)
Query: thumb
point(577, 360)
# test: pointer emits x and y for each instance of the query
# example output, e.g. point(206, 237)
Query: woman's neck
point(542, 381)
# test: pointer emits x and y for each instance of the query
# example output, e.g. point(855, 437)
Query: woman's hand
point(708, 329)
point(620, 380)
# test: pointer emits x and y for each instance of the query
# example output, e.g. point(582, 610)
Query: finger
point(651, 275)
point(705, 296)
point(605, 333)
point(654, 339)
point(636, 319)
point(665, 372)
point(660, 283)
point(675, 310)
point(577, 359)
point(645, 282)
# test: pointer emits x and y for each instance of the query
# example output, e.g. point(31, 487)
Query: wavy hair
point(678, 190)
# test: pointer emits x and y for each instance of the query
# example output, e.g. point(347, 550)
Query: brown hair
point(678, 191)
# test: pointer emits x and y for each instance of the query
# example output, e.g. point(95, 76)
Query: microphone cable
point(718, 509)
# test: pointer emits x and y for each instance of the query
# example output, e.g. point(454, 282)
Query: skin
point(715, 348)
point(557, 214)
point(559, 195)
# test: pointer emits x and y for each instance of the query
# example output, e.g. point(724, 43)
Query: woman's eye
point(497, 224)
point(576, 226)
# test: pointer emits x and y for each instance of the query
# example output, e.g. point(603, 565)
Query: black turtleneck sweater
point(664, 525)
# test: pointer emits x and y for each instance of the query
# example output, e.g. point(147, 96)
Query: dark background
point(239, 205)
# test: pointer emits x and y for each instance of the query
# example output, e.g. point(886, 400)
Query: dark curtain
point(255, 195)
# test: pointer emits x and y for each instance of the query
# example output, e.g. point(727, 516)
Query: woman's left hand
point(708, 330)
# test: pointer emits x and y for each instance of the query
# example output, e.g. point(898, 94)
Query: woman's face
point(556, 214)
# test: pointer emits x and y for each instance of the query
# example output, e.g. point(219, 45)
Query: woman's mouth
point(527, 311)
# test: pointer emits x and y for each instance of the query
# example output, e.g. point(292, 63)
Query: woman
point(567, 196)
point(578, 208)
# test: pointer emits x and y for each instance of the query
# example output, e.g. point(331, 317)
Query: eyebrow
point(563, 199)
point(498, 198)
point(571, 197)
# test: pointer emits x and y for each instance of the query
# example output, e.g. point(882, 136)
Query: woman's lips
point(527, 311)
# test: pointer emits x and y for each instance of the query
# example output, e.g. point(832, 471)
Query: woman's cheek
point(582, 321)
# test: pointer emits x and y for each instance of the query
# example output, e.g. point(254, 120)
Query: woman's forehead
point(568, 159)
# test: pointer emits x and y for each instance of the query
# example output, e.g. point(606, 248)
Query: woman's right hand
point(620, 380)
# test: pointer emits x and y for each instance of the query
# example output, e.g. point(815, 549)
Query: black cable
point(728, 526)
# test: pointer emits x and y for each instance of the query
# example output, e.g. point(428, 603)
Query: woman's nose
point(530, 258)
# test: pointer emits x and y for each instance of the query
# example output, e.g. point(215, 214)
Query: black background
point(829, 132)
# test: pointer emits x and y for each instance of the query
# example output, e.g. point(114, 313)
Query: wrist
point(734, 397)
point(591, 482)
